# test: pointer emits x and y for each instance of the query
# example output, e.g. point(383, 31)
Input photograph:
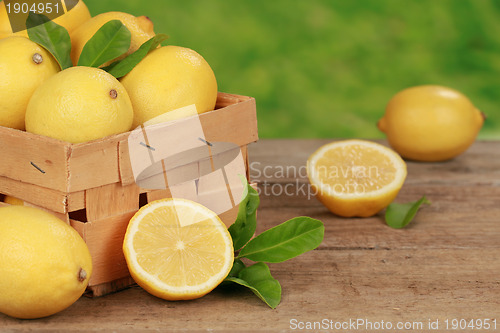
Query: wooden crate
point(91, 185)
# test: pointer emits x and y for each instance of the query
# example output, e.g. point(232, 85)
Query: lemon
point(24, 65)
point(79, 104)
point(356, 177)
point(13, 201)
point(70, 20)
point(141, 29)
point(430, 123)
point(177, 249)
point(75, 17)
point(169, 78)
point(45, 264)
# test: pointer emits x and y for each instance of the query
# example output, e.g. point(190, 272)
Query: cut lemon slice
point(356, 177)
point(177, 249)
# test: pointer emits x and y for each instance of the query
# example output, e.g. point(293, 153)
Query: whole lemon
point(430, 123)
point(24, 65)
point(169, 78)
point(45, 264)
point(141, 29)
point(79, 104)
point(70, 20)
point(13, 201)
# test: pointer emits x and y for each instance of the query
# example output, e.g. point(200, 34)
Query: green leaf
point(399, 215)
point(244, 227)
point(51, 36)
point(109, 42)
point(258, 278)
point(285, 241)
point(122, 67)
point(238, 266)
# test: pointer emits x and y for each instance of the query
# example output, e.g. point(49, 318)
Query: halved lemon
point(177, 249)
point(355, 177)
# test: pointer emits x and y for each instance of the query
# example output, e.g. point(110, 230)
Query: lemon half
point(177, 249)
point(356, 177)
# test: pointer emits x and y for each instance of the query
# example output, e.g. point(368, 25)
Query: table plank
point(444, 265)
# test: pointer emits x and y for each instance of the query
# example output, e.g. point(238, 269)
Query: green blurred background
point(327, 68)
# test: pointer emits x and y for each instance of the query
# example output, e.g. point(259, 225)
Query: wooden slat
point(235, 123)
point(76, 201)
point(126, 173)
point(63, 216)
point(44, 197)
point(225, 99)
point(110, 200)
point(34, 159)
point(104, 239)
point(94, 164)
point(158, 194)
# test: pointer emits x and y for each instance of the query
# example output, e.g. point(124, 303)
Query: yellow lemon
point(13, 201)
point(140, 27)
point(430, 123)
point(5, 27)
point(169, 78)
point(79, 104)
point(177, 249)
point(70, 20)
point(355, 177)
point(45, 264)
point(24, 65)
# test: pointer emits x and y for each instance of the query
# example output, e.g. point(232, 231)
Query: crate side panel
point(76, 201)
point(62, 216)
point(94, 164)
point(46, 198)
point(236, 123)
point(34, 159)
point(110, 200)
point(225, 99)
point(104, 239)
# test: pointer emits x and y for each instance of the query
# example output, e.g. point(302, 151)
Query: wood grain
point(44, 197)
point(94, 163)
point(444, 265)
point(103, 238)
point(110, 200)
point(34, 159)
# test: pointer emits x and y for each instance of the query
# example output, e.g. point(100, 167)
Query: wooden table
point(444, 266)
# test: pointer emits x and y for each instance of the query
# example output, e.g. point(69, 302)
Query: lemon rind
point(395, 185)
point(158, 284)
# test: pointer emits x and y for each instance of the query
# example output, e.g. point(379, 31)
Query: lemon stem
point(37, 58)
point(82, 275)
point(113, 94)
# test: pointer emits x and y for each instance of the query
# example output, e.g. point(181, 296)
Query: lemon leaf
point(259, 280)
point(110, 41)
point(51, 36)
point(285, 241)
point(238, 266)
point(244, 227)
point(122, 67)
point(398, 216)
